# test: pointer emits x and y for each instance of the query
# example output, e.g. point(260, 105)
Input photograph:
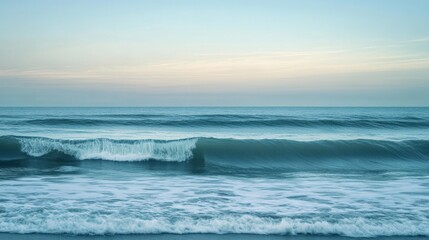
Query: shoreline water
point(15, 236)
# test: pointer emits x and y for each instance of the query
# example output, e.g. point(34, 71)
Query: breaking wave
point(233, 153)
point(107, 149)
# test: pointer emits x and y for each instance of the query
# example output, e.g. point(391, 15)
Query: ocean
point(273, 171)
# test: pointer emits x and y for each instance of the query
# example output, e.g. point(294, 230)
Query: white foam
point(85, 223)
point(179, 150)
point(122, 202)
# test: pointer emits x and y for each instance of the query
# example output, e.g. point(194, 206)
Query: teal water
point(355, 172)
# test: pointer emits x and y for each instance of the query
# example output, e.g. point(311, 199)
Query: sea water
point(358, 172)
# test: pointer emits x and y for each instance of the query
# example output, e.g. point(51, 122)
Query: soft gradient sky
point(214, 52)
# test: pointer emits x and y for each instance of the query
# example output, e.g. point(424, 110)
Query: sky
point(214, 53)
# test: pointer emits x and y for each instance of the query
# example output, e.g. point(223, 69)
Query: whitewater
point(356, 172)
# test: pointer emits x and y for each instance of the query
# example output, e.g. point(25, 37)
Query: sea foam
point(106, 149)
point(87, 224)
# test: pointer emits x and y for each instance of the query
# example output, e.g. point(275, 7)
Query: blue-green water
point(358, 172)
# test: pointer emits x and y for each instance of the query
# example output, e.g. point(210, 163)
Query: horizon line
point(225, 106)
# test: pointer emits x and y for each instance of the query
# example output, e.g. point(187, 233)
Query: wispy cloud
point(259, 67)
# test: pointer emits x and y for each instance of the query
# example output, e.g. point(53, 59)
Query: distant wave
point(87, 223)
point(230, 121)
point(233, 153)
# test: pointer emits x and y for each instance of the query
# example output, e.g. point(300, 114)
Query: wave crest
point(233, 154)
point(107, 149)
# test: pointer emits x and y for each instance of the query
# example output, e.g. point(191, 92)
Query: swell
point(231, 154)
point(229, 121)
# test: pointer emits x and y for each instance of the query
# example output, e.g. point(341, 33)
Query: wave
point(231, 121)
point(86, 223)
point(224, 154)
point(107, 149)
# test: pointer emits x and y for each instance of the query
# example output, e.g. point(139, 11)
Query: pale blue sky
point(235, 52)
